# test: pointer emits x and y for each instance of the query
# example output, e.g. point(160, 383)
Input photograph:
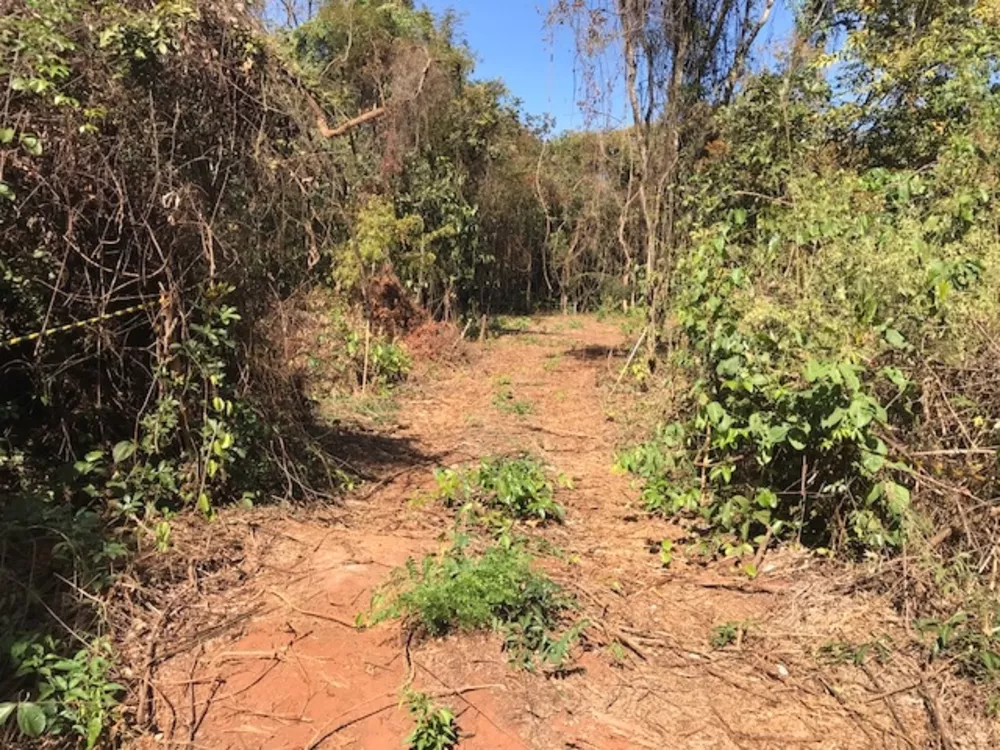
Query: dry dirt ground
point(258, 648)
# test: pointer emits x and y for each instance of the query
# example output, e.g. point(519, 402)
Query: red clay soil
point(271, 658)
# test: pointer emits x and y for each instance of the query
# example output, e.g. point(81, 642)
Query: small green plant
point(388, 362)
point(993, 706)
point(515, 487)
point(617, 653)
point(503, 324)
point(74, 695)
point(505, 401)
point(552, 362)
point(965, 638)
point(499, 590)
point(726, 634)
point(666, 552)
point(843, 652)
point(436, 728)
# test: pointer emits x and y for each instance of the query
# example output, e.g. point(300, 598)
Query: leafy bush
point(388, 362)
point(72, 696)
point(777, 441)
point(499, 590)
point(516, 488)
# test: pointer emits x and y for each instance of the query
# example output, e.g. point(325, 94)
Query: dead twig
point(937, 718)
point(308, 613)
point(890, 704)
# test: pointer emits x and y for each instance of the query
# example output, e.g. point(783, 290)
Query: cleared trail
point(285, 668)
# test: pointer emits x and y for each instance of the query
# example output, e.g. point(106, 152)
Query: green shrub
point(72, 696)
point(388, 362)
point(776, 440)
point(516, 488)
point(499, 590)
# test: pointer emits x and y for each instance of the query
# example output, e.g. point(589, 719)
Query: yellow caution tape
point(79, 324)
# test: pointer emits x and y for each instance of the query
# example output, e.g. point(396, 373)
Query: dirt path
point(290, 670)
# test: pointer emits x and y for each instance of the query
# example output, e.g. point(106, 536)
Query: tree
point(678, 59)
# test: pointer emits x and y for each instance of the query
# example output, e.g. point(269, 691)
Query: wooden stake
point(364, 372)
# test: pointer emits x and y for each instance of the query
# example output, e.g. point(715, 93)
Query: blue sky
point(511, 42)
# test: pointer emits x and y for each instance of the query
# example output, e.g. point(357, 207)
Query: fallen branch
point(308, 613)
point(562, 433)
point(369, 116)
point(758, 559)
point(461, 336)
point(937, 718)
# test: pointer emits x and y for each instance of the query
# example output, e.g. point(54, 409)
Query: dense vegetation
point(812, 243)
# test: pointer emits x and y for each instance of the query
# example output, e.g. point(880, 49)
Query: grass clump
point(499, 590)
point(513, 487)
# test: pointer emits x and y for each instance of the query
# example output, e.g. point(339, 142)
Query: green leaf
point(715, 412)
point(872, 462)
point(6, 192)
point(898, 497)
point(814, 370)
point(766, 499)
point(6, 709)
point(896, 377)
point(94, 727)
point(894, 338)
point(6, 136)
point(797, 439)
point(833, 419)
point(666, 552)
point(729, 367)
point(31, 144)
point(30, 719)
point(850, 376)
point(122, 451)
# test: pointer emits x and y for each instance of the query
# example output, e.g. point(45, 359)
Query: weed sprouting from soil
point(846, 652)
point(436, 727)
point(505, 401)
point(515, 488)
point(499, 590)
point(727, 634)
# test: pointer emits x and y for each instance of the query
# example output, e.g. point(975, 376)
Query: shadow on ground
point(593, 353)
